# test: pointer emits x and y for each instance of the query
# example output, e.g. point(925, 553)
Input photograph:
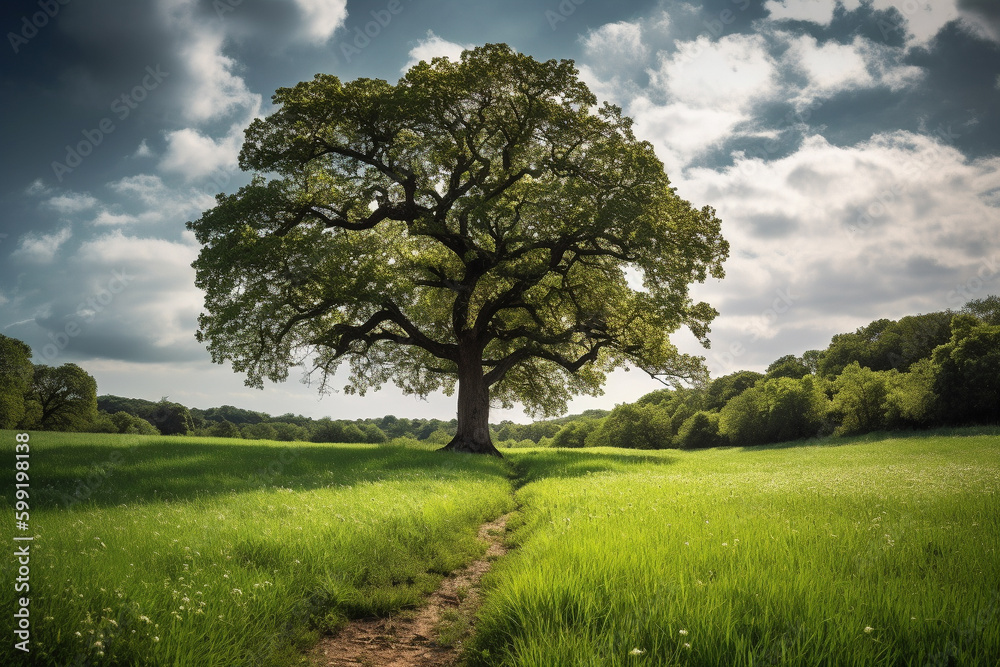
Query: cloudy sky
point(851, 148)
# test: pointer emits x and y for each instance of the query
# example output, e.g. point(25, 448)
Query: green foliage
point(886, 345)
point(724, 389)
point(575, 433)
point(699, 431)
point(262, 431)
point(775, 410)
point(986, 309)
point(788, 366)
point(478, 220)
point(171, 418)
point(912, 401)
point(633, 425)
point(16, 373)
point(62, 398)
point(224, 429)
point(968, 372)
point(130, 424)
point(861, 399)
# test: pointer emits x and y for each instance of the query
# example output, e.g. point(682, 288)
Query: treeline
point(921, 371)
point(918, 372)
point(64, 398)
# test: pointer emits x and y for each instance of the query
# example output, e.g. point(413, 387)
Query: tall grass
point(219, 552)
point(877, 552)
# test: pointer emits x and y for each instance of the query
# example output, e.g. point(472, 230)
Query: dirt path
point(410, 640)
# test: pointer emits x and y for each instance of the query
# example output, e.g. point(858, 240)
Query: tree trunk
point(473, 408)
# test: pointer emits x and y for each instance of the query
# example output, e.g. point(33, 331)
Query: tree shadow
point(875, 436)
point(159, 469)
point(536, 464)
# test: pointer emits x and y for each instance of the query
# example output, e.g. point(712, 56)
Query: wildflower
point(868, 629)
point(683, 633)
point(77, 634)
point(636, 651)
point(145, 618)
point(98, 644)
point(237, 591)
point(156, 639)
point(687, 645)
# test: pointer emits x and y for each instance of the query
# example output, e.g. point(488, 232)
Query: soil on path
point(409, 640)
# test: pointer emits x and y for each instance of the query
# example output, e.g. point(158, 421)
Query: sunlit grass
point(866, 553)
point(219, 552)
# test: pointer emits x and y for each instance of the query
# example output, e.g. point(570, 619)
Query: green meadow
point(879, 550)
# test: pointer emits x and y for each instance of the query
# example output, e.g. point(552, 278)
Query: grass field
point(851, 553)
point(219, 552)
point(877, 551)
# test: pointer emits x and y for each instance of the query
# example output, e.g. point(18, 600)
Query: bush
point(261, 431)
point(861, 399)
point(642, 426)
point(775, 410)
point(968, 372)
point(574, 434)
point(128, 423)
point(224, 429)
point(699, 431)
point(911, 400)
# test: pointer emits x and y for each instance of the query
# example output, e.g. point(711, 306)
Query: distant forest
point(921, 371)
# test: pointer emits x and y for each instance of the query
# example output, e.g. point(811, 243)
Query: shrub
point(642, 426)
point(775, 410)
point(861, 400)
point(700, 430)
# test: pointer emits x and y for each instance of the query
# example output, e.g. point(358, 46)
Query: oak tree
point(481, 225)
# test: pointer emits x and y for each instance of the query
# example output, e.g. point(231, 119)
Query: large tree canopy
point(61, 398)
point(481, 222)
point(16, 372)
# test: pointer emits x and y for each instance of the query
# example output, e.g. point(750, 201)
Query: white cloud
point(147, 188)
point(41, 248)
point(432, 47)
point(817, 11)
point(72, 202)
point(216, 90)
point(195, 155)
point(697, 95)
point(615, 45)
point(321, 18)
point(886, 226)
point(143, 150)
point(155, 202)
point(833, 67)
point(213, 89)
point(37, 188)
point(728, 74)
point(107, 219)
point(924, 18)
